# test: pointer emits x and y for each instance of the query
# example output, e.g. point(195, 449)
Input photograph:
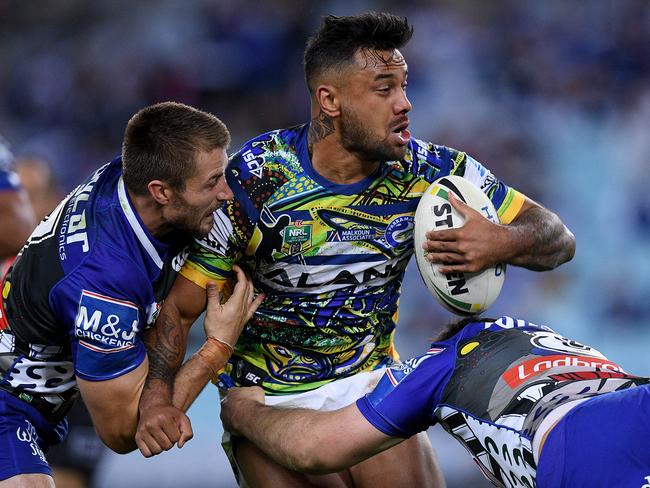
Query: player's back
point(512, 379)
point(494, 386)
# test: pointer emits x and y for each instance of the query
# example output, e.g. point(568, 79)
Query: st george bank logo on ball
point(461, 293)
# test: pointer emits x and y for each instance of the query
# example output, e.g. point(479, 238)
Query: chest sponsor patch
point(106, 324)
point(521, 372)
point(400, 230)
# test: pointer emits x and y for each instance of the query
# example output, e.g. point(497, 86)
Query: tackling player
point(91, 279)
point(323, 218)
point(532, 407)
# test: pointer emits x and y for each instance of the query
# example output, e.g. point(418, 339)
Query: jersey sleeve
point(432, 161)
point(103, 305)
point(403, 402)
point(212, 258)
point(507, 201)
point(107, 342)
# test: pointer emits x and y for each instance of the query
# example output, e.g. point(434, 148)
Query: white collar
point(140, 233)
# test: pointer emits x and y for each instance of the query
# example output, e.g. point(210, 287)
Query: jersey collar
point(135, 224)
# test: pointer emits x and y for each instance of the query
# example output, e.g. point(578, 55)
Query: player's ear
point(329, 100)
point(159, 191)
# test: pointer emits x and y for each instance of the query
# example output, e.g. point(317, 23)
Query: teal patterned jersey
point(329, 257)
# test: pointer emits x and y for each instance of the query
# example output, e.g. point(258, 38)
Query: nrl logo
point(296, 238)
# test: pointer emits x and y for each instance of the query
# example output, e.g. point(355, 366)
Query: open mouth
point(402, 133)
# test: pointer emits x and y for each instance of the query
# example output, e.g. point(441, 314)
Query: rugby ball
point(461, 293)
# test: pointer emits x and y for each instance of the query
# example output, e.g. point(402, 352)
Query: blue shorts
point(25, 436)
point(603, 442)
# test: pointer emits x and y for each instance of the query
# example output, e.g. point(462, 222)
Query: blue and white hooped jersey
point(491, 386)
point(77, 299)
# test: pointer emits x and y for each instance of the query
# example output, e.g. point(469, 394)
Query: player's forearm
point(166, 344)
point(540, 241)
point(289, 436)
point(197, 371)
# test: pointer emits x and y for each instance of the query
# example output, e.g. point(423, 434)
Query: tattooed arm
point(166, 344)
point(162, 420)
point(536, 239)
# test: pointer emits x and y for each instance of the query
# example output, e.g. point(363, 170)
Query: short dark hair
point(161, 142)
point(339, 38)
point(456, 326)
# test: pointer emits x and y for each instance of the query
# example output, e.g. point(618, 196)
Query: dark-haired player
point(323, 216)
point(532, 407)
point(91, 278)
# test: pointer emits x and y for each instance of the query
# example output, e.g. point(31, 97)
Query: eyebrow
point(383, 76)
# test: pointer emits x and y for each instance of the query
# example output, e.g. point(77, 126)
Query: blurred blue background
point(553, 97)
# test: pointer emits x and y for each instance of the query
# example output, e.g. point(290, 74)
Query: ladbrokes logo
point(516, 375)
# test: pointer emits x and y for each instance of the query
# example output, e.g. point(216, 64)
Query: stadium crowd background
point(554, 97)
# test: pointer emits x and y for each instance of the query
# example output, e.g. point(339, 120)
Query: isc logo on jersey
point(107, 324)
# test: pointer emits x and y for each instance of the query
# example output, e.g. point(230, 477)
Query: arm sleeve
point(107, 343)
point(104, 302)
point(447, 161)
point(403, 402)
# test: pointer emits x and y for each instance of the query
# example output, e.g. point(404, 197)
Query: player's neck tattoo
point(320, 127)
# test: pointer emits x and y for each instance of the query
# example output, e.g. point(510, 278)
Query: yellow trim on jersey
point(460, 157)
point(196, 275)
point(511, 206)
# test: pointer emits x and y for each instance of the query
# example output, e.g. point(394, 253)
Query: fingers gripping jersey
point(492, 386)
point(329, 257)
point(80, 294)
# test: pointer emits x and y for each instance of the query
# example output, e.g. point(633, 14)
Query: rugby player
point(323, 219)
point(16, 214)
point(532, 407)
point(91, 278)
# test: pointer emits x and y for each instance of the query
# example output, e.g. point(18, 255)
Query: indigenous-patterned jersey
point(80, 293)
point(492, 386)
point(329, 257)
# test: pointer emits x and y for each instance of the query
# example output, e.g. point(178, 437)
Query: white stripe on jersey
point(135, 225)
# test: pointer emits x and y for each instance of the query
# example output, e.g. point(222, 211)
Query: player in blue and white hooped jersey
point(91, 279)
point(532, 407)
point(16, 215)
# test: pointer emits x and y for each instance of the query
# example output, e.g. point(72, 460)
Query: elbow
point(568, 250)
point(118, 442)
point(571, 246)
point(313, 465)
point(312, 459)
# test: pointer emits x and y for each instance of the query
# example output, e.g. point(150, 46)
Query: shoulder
point(430, 161)
point(107, 271)
point(274, 147)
